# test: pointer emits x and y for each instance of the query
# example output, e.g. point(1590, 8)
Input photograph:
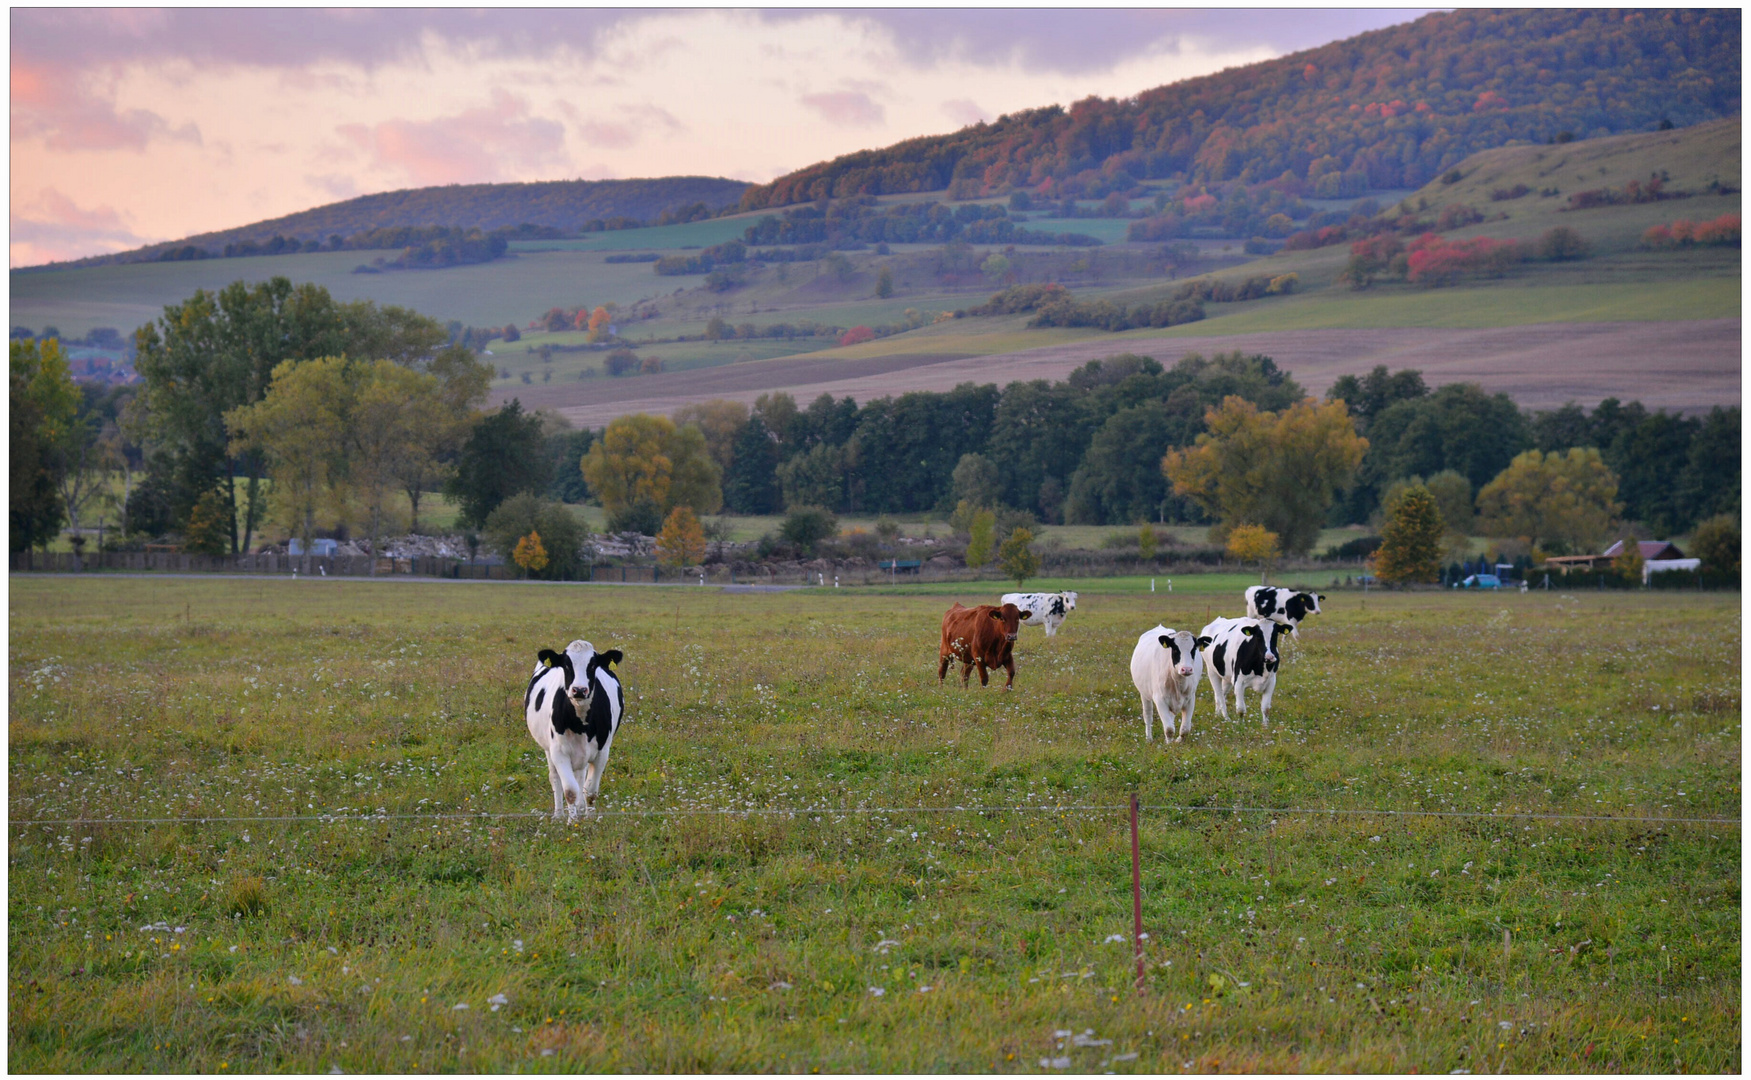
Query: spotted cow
point(982, 636)
point(573, 706)
point(1166, 666)
point(1285, 606)
point(1048, 609)
point(1242, 656)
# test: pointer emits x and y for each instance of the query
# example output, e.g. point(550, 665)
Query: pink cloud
point(56, 107)
point(849, 108)
point(501, 140)
point(54, 227)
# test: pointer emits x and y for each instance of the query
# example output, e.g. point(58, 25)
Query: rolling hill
point(1387, 109)
point(566, 205)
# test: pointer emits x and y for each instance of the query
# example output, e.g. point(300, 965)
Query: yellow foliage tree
point(529, 553)
point(1629, 562)
point(1253, 544)
point(646, 460)
point(599, 320)
point(1569, 499)
point(682, 541)
point(1279, 470)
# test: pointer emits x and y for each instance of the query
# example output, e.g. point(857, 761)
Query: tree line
point(1387, 109)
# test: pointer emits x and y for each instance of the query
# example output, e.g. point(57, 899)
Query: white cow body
point(573, 707)
point(1166, 666)
point(1242, 656)
point(1049, 609)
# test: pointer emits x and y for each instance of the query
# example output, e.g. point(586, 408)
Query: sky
point(134, 126)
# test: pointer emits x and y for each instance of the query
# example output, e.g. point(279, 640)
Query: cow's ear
point(612, 656)
point(547, 657)
point(1163, 639)
point(1320, 596)
point(1249, 631)
point(1026, 615)
point(1204, 642)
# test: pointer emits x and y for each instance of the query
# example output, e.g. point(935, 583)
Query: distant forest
point(1388, 109)
point(559, 207)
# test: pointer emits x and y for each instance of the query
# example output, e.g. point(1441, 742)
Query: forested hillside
point(1388, 109)
point(564, 206)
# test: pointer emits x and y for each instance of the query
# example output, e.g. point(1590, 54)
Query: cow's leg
point(984, 675)
point(594, 781)
point(1239, 696)
point(1009, 665)
point(1219, 690)
point(1185, 716)
point(1265, 700)
point(572, 789)
point(942, 668)
point(1149, 736)
point(554, 782)
point(1051, 627)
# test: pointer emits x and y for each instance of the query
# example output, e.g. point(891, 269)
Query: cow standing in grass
point(1166, 666)
point(982, 636)
point(573, 707)
point(1283, 606)
point(1048, 609)
point(1242, 656)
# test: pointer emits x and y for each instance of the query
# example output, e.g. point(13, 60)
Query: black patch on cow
point(1249, 658)
point(600, 660)
point(565, 717)
point(1171, 646)
point(550, 660)
point(539, 698)
point(1216, 658)
point(1298, 606)
point(1265, 600)
point(1204, 642)
point(1057, 605)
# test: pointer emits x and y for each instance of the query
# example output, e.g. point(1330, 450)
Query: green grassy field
point(703, 938)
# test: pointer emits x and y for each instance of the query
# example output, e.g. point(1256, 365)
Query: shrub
point(1434, 261)
point(1562, 244)
point(857, 335)
point(526, 524)
point(807, 526)
point(621, 361)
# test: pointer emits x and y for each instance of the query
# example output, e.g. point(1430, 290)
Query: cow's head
point(579, 662)
point(1265, 633)
point(1310, 601)
point(1184, 649)
point(1010, 618)
point(1070, 600)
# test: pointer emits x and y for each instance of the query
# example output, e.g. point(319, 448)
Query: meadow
point(761, 894)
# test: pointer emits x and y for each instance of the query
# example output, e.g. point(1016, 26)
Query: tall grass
point(722, 941)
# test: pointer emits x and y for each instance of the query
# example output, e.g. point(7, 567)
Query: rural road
point(1686, 366)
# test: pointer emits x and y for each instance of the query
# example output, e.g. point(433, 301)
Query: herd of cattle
point(1166, 664)
point(574, 702)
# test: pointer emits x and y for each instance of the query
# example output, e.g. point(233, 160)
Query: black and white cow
point(1284, 606)
point(1242, 656)
point(1049, 609)
point(1166, 666)
point(573, 707)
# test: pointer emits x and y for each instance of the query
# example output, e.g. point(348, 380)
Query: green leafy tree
point(1410, 543)
point(525, 514)
point(750, 483)
point(43, 409)
point(981, 536)
point(977, 481)
point(1716, 543)
point(300, 427)
point(815, 477)
point(1017, 557)
point(885, 283)
point(807, 526)
point(500, 458)
point(1628, 562)
point(1146, 543)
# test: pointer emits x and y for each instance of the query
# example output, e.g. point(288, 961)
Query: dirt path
point(1685, 366)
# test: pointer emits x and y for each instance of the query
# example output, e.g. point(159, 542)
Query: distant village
point(102, 356)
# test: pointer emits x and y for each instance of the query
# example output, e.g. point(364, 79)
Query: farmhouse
point(1657, 556)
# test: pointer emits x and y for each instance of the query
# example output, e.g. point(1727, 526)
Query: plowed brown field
point(1686, 366)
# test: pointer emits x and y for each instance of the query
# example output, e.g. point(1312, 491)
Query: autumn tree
point(1253, 544)
point(721, 421)
point(1716, 543)
point(1552, 499)
point(1410, 543)
point(1017, 557)
point(529, 554)
point(1628, 562)
point(1278, 470)
point(560, 533)
point(644, 466)
point(299, 426)
point(682, 541)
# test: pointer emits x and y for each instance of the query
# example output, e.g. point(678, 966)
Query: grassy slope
point(739, 944)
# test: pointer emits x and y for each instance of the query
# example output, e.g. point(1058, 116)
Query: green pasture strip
point(655, 238)
point(998, 940)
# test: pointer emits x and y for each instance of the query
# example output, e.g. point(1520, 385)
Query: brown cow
point(983, 635)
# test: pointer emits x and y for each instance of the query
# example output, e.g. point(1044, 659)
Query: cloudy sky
point(133, 126)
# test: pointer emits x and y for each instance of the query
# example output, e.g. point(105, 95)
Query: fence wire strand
point(852, 811)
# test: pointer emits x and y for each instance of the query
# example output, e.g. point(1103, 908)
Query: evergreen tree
point(503, 456)
point(750, 483)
